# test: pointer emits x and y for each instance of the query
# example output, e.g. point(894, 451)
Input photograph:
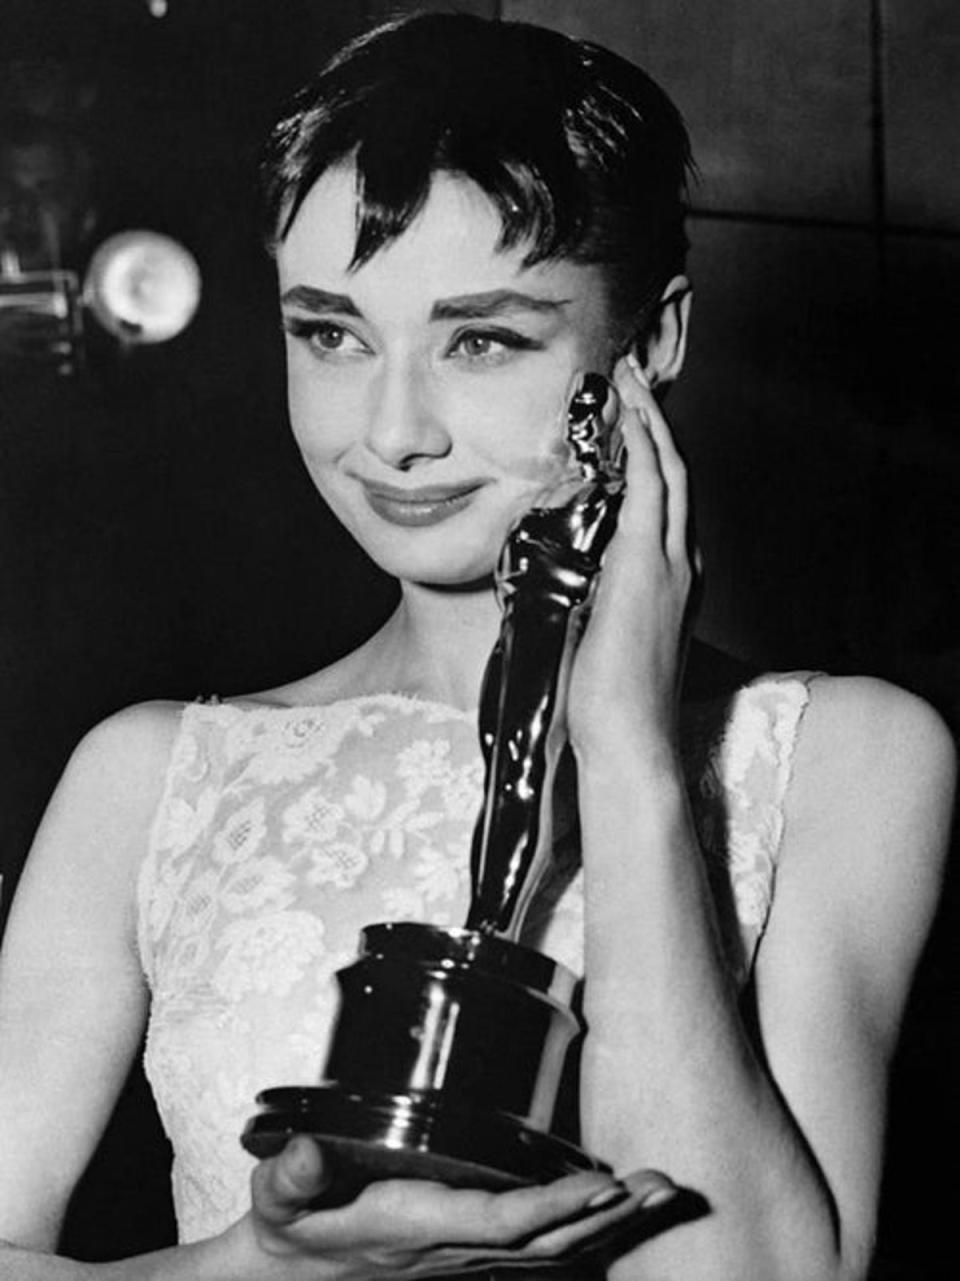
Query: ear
point(661, 356)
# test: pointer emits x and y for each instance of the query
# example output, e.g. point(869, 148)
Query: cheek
point(521, 429)
point(319, 417)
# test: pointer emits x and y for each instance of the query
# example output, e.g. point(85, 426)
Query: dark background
point(157, 537)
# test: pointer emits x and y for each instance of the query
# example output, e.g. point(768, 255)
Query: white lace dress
point(283, 831)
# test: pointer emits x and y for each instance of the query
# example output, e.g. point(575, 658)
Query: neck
point(436, 643)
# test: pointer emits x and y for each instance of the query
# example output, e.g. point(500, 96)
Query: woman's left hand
point(412, 1228)
point(629, 662)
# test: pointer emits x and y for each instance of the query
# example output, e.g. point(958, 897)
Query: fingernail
point(607, 1196)
point(638, 373)
point(302, 1154)
point(658, 1196)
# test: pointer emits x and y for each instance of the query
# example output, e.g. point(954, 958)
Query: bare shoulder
point(870, 752)
point(94, 832)
point(121, 763)
point(854, 709)
point(146, 728)
point(867, 827)
point(137, 739)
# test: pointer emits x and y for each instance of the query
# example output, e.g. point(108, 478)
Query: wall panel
point(775, 411)
point(380, 10)
point(922, 112)
point(919, 377)
point(776, 94)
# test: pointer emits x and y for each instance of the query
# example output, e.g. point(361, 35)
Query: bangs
point(539, 205)
point(582, 155)
point(470, 98)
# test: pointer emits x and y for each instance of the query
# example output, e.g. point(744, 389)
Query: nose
point(404, 426)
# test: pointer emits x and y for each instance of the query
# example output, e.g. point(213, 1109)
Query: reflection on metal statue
point(545, 583)
point(449, 1045)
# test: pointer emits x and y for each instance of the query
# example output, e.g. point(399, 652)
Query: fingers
point(644, 1191)
point(646, 512)
point(411, 1213)
point(398, 1227)
point(515, 1217)
point(651, 443)
point(284, 1186)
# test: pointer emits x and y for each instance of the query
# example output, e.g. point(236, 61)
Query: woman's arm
point(782, 1139)
point(73, 1000)
point(867, 831)
point(72, 997)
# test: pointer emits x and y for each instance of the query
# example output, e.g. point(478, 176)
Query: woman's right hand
point(407, 1229)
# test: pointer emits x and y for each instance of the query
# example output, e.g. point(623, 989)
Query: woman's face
point(427, 387)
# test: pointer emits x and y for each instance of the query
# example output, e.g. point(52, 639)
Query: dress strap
point(755, 766)
point(187, 794)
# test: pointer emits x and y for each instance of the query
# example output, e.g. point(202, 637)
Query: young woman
point(464, 215)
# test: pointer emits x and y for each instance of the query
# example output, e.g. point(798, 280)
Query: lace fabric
point(282, 832)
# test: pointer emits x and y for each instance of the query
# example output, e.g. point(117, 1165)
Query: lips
point(426, 505)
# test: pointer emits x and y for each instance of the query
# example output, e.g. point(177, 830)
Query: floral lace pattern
point(282, 832)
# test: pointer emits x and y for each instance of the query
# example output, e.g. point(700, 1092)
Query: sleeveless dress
point(283, 831)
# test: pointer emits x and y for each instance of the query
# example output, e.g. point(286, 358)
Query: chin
point(441, 556)
point(457, 584)
point(475, 576)
point(439, 567)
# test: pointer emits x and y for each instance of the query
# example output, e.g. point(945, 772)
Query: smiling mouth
point(428, 505)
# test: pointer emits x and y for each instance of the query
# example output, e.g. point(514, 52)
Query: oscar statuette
point(449, 1045)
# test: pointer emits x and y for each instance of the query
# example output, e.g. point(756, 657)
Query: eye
point(325, 338)
point(490, 346)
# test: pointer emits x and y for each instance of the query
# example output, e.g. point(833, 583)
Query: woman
point(464, 215)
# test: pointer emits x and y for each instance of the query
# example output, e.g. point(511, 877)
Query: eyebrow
point(320, 300)
point(494, 302)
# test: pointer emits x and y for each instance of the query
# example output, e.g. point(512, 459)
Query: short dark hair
point(583, 155)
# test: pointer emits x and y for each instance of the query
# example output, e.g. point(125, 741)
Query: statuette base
point(445, 1062)
point(369, 1137)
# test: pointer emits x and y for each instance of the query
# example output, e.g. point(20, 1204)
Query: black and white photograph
point(479, 645)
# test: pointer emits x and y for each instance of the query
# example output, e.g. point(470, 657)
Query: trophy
point(449, 1046)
